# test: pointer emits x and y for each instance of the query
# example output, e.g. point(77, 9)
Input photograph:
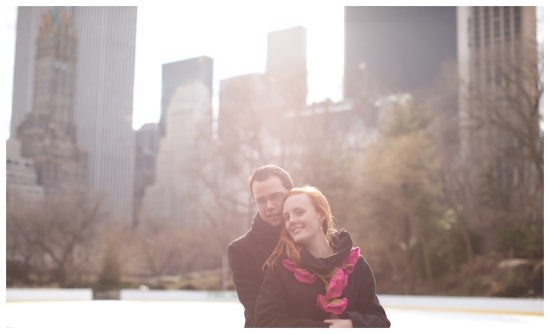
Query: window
point(498, 69)
point(517, 21)
point(496, 24)
point(477, 34)
point(488, 72)
point(487, 25)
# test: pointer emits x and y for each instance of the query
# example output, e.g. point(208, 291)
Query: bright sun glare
point(233, 33)
point(235, 36)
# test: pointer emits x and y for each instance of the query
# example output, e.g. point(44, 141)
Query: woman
point(315, 277)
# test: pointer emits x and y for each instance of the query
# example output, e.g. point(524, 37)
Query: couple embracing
point(293, 268)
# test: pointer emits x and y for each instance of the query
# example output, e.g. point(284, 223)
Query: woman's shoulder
point(362, 262)
point(362, 268)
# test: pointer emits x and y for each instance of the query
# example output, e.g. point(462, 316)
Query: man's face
point(272, 210)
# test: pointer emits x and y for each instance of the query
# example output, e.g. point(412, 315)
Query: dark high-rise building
point(286, 69)
point(183, 72)
point(396, 49)
point(103, 94)
point(48, 134)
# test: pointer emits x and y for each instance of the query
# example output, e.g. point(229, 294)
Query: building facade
point(397, 49)
point(499, 96)
point(22, 188)
point(103, 96)
point(286, 68)
point(492, 42)
point(147, 143)
point(177, 194)
point(179, 73)
point(48, 134)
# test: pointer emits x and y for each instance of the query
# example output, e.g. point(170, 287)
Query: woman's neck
point(319, 248)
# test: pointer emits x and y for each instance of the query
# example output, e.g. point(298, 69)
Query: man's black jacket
point(247, 255)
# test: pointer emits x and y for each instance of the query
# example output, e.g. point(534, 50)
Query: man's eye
point(299, 212)
point(276, 196)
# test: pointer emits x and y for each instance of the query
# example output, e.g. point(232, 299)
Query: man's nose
point(270, 203)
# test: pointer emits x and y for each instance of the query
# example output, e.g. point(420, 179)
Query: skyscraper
point(499, 114)
point(48, 134)
point(395, 49)
point(103, 97)
point(182, 72)
point(22, 188)
point(177, 194)
point(147, 142)
point(286, 69)
point(493, 41)
point(241, 101)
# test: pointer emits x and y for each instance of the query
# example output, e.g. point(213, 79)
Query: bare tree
point(401, 193)
point(59, 234)
point(503, 124)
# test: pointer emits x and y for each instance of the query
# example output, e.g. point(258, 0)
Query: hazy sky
point(233, 33)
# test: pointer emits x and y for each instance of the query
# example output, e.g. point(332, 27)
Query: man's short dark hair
point(265, 172)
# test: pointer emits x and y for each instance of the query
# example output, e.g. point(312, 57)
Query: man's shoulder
point(241, 242)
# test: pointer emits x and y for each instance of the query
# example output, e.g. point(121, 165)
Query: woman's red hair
point(286, 244)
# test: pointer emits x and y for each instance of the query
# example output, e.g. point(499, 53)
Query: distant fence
point(465, 304)
point(190, 295)
point(426, 303)
point(48, 294)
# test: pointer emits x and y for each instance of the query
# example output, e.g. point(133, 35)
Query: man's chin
point(275, 222)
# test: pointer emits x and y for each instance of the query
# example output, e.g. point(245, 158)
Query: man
point(248, 253)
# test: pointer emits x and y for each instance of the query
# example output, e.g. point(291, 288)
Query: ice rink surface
point(226, 316)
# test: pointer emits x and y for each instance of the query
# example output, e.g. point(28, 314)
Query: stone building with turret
point(48, 134)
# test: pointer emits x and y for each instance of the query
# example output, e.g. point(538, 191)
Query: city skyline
point(325, 71)
point(237, 49)
point(386, 159)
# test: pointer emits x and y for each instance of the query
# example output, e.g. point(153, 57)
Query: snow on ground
point(108, 316)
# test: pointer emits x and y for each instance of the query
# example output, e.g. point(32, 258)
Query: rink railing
point(427, 303)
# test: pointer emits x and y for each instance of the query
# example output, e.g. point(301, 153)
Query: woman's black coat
point(283, 301)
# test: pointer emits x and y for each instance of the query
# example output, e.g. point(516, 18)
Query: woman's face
point(302, 222)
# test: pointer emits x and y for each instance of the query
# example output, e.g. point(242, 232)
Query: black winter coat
point(247, 255)
point(284, 301)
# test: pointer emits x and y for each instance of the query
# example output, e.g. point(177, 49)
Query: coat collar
point(264, 233)
point(342, 245)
